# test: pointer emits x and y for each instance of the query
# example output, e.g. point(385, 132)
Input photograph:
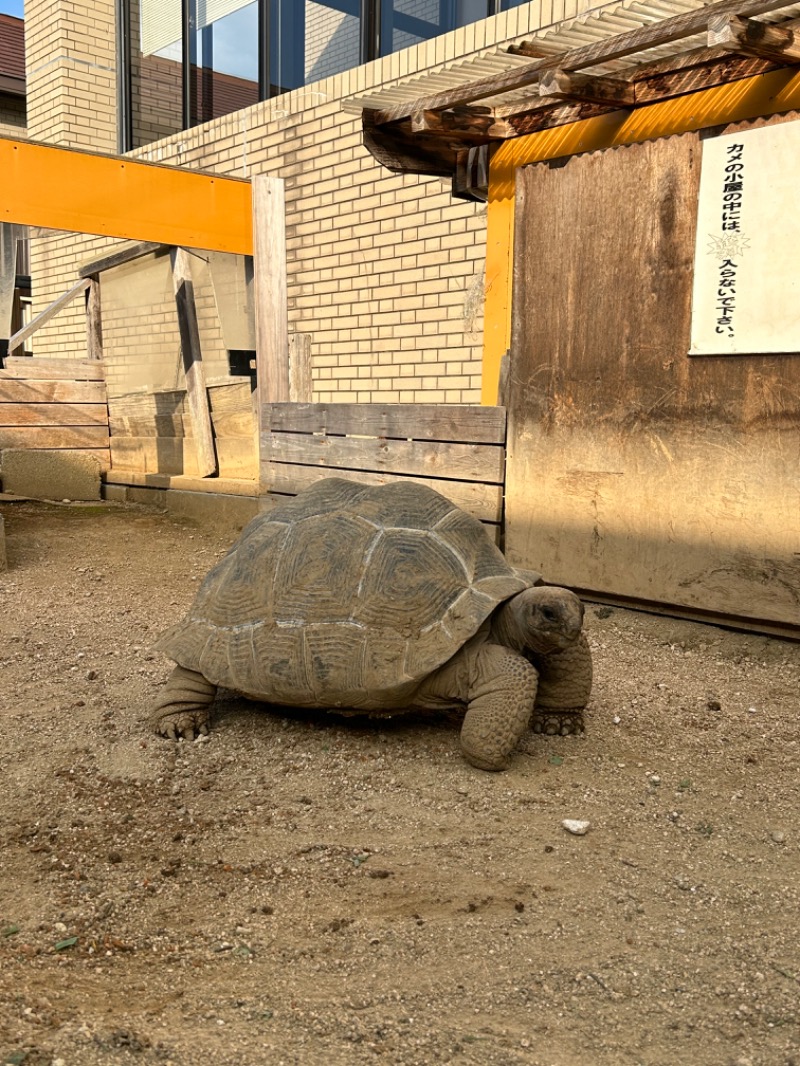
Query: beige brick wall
point(385, 270)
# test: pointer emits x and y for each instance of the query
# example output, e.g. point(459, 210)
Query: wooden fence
point(457, 450)
point(54, 404)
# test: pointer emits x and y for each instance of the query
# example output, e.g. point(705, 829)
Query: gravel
point(301, 889)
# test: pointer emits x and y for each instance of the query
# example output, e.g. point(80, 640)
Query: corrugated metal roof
point(589, 28)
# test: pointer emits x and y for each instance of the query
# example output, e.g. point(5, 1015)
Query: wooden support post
point(272, 317)
point(94, 322)
point(269, 266)
point(196, 395)
point(778, 44)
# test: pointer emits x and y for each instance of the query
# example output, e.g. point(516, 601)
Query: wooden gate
point(635, 471)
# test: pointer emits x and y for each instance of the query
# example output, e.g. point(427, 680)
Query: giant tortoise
point(384, 600)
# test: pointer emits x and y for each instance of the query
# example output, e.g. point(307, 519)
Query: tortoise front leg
point(183, 710)
point(502, 691)
point(565, 684)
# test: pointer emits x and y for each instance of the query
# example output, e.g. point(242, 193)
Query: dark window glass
point(407, 22)
point(225, 67)
point(311, 40)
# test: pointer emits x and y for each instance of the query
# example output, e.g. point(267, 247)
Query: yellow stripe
point(112, 196)
point(765, 94)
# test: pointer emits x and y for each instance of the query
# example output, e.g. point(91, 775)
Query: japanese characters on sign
point(745, 290)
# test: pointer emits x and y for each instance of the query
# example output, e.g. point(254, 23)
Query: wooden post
point(272, 328)
point(94, 321)
point(196, 395)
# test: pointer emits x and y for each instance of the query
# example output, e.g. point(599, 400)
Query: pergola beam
point(617, 47)
point(777, 44)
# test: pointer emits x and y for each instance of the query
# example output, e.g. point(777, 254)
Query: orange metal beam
point(764, 94)
point(113, 196)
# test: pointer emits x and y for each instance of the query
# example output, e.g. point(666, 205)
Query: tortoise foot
point(558, 723)
point(183, 724)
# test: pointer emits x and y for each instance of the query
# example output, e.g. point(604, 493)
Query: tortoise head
point(543, 619)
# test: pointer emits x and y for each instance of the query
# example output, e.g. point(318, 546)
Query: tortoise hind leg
point(565, 684)
point(184, 707)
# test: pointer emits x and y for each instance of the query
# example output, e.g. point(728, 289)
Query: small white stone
point(616, 719)
point(577, 828)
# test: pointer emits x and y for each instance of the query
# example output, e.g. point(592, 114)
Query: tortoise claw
point(557, 723)
point(183, 725)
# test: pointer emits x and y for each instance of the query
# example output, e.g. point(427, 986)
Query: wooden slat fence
point(54, 404)
point(457, 450)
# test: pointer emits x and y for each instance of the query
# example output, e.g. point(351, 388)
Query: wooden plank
point(778, 44)
point(193, 362)
point(616, 47)
point(301, 386)
point(53, 414)
point(94, 322)
point(483, 501)
point(28, 367)
point(269, 264)
point(15, 390)
point(178, 455)
point(232, 410)
point(445, 422)
point(49, 312)
point(46, 437)
point(238, 458)
point(123, 255)
point(462, 462)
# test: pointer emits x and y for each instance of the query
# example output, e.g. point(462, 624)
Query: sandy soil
point(297, 889)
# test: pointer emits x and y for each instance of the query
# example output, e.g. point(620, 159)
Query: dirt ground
point(295, 889)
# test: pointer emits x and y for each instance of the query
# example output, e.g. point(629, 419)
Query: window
point(182, 62)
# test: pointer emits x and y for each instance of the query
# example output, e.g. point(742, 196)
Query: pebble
point(577, 828)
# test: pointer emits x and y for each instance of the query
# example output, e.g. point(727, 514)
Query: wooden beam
point(49, 312)
point(94, 322)
point(121, 256)
point(196, 395)
point(116, 196)
point(565, 85)
point(778, 44)
point(476, 125)
point(617, 47)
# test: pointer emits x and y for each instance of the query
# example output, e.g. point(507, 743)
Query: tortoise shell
point(346, 595)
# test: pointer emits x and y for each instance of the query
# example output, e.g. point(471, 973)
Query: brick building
point(386, 271)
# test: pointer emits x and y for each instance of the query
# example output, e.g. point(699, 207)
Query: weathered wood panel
point(178, 455)
point(462, 462)
point(17, 390)
point(449, 422)
point(53, 414)
point(33, 368)
point(54, 437)
point(483, 501)
point(634, 471)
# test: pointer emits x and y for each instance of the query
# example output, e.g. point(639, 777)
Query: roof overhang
point(446, 123)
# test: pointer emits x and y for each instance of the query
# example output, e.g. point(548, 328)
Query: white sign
point(746, 297)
